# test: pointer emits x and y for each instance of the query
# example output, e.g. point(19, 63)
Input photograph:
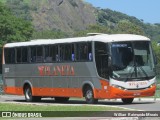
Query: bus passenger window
point(62, 52)
point(47, 56)
point(90, 57)
point(66, 52)
point(39, 54)
point(69, 52)
point(19, 55)
point(57, 58)
point(33, 54)
point(9, 54)
point(24, 54)
point(84, 51)
point(50, 53)
point(73, 53)
point(55, 54)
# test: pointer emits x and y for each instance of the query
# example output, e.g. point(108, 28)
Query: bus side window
point(57, 57)
point(90, 57)
point(73, 52)
point(18, 55)
point(39, 54)
point(33, 54)
point(62, 52)
point(69, 52)
point(24, 54)
point(84, 51)
point(9, 55)
point(47, 51)
point(56, 54)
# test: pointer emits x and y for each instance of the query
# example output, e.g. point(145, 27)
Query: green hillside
point(70, 17)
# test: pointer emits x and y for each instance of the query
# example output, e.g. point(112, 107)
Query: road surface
point(147, 104)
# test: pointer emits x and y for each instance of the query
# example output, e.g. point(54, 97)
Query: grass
point(20, 107)
point(59, 110)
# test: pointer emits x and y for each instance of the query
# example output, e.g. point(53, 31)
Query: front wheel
point(127, 100)
point(28, 95)
point(89, 96)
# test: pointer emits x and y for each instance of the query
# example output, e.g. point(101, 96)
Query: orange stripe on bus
point(47, 92)
point(13, 90)
point(63, 92)
point(110, 93)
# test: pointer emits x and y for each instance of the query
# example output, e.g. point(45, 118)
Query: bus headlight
point(119, 87)
point(152, 85)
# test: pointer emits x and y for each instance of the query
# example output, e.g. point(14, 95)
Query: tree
point(49, 34)
point(12, 28)
point(20, 8)
point(156, 49)
point(125, 26)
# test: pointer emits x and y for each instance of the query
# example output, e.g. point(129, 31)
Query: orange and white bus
point(95, 67)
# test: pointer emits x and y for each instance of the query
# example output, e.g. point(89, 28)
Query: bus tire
point(28, 95)
point(127, 100)
point(61, 99)
point(89, 96)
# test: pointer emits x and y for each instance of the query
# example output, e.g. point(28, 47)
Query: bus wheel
point(61, 99)
point(28, 95)
point(89, 96)
point(127, 100)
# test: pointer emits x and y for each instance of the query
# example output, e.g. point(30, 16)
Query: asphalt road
point(145, 104)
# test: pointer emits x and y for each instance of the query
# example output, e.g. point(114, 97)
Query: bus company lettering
point(137, 83)
point(64, 70)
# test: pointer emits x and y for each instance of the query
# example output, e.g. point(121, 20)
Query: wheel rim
point(28, 93)
point(89, 95)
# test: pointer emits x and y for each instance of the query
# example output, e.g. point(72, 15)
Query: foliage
point(156, 49)
point(125, 26)
point(112, 19)
point(13, 28)
point(49, 34)
point(153, 31)
point(19, 8)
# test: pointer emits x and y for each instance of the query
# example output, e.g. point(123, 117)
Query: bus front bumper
point(120, 93)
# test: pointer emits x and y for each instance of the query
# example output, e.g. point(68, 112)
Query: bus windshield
point(132, 60)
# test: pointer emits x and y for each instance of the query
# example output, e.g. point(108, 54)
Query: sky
point(147, 10)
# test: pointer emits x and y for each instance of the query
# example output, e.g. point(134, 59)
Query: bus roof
point(100, 37)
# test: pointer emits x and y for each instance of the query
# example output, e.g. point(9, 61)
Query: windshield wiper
point(143, 71)
point(130, 73)
point(135, 70)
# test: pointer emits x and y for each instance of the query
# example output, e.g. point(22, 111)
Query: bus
point(102, 66)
